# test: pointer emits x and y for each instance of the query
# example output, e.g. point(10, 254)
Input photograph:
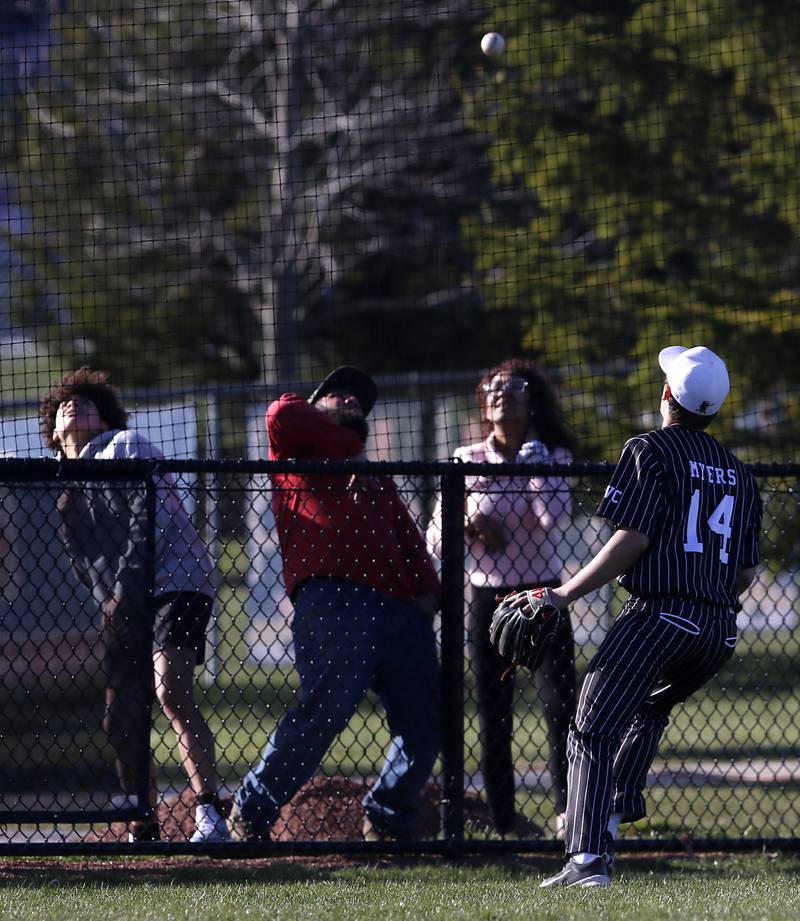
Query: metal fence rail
point(727, 774)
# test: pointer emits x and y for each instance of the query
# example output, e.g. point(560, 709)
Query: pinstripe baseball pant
point(658, 652)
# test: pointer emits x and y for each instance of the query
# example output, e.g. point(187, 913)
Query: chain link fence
point(76, 770)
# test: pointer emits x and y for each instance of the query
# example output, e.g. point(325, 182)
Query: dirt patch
point(325, 809)
point(141, 869)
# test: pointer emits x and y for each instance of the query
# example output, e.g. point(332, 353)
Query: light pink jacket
point(533, 512)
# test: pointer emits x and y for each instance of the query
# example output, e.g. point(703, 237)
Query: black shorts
point(181, 619)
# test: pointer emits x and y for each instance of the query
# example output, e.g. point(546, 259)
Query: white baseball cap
point(697, 378)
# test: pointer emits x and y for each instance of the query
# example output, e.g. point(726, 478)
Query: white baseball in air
point(493, 44)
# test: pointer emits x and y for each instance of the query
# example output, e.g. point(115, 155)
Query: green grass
point(751, 710)
point(719, 724)
point(742, 889)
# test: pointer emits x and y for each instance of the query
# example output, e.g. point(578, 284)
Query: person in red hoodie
point(364, 592)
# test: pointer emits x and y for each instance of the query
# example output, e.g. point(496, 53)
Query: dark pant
point(348, 638)
point(127, 637)
point(657, 653)
point(555, 683)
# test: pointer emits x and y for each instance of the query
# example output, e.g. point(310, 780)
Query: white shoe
point(210, 827)
point(586, 875)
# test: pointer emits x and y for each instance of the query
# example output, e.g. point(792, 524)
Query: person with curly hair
point(512, 525)
point(104, 528)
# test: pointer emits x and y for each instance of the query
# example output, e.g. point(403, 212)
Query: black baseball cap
point(354, 380)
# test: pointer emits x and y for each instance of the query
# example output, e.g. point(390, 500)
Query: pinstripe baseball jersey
point(699, 506)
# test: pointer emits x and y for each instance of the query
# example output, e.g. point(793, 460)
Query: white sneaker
point(586, 875)
point(210, 827)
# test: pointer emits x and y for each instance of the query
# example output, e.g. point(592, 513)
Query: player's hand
point(358, 486)
point(110, 606)
point(71, 505)
point(489, 531)
point(530, 599)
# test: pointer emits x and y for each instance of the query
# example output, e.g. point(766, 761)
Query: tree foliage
point(131, 164)
point(241, 183)
point(251, 186)
point(660, 143)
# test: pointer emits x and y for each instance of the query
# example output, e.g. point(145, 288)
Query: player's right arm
point(130, 589)
point(76, 529)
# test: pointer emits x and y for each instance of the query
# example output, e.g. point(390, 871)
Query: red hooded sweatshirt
point(323, 531)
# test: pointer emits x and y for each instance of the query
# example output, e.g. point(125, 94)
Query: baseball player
point(688, 516)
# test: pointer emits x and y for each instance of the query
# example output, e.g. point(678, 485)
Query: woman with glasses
point(513, 528)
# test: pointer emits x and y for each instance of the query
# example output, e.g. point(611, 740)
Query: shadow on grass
point(147, 871)
point(32, 873)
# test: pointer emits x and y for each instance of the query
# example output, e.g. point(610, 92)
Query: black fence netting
point(495, 217)
point(366, 704)
point(76, 672)
point(215, 198)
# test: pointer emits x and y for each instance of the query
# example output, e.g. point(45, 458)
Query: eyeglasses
point(508, 385)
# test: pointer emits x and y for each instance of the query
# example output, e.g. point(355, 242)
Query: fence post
point(143, 779)
point(453, 654)
point(213, 524)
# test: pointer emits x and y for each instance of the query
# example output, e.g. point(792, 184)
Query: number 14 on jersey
point(719, 522)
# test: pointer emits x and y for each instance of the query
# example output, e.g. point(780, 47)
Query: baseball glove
point(523, 625)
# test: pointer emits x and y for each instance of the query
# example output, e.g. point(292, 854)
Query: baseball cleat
point(592, 874)
point(608, 854)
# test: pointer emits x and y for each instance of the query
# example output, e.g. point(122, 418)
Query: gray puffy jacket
point(104, 526)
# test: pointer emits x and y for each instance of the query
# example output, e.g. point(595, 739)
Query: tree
point(246, 183)
point(24, 57)
point(134, 214)
point(658, 140)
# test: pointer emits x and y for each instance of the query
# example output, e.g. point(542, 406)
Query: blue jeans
point(348, 638)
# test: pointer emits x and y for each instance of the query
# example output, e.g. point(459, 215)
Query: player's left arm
point(620, 553)
point(744, 579)
point(751, 556)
